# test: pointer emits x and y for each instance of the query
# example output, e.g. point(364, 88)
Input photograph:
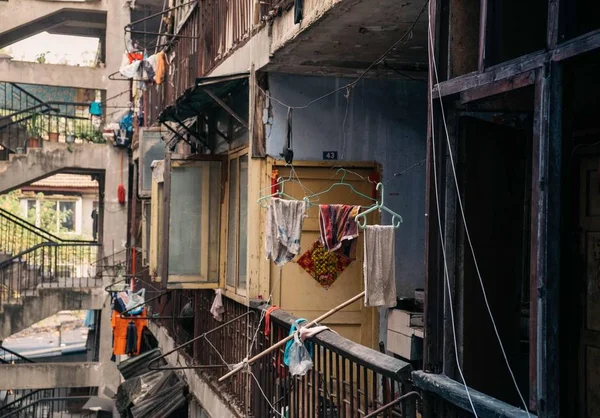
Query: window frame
point(186, 282)
point(234, 154)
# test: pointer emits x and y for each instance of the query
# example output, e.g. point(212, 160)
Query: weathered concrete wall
point(50, 375)
point(17, 13)
point(17, 317)
point(214, 404)
point(385, 122)
point(53, 75)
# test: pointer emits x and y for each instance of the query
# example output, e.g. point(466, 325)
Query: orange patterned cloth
point(325, 267)
point(119, 326)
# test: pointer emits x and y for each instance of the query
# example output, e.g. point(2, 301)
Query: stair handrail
point(49, 399)
point(22, 399)
point(37, 230)
point(12, 259)
point(27, 93)
point(14, 353)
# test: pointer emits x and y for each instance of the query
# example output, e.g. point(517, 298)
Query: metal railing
point(25, 119)
point(213, 30)
point(33, 257)
point(347, 379)
point(7, 356)
point(42, 403)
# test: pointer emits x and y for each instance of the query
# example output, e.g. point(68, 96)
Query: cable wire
point(443, 244)
point(468, 235)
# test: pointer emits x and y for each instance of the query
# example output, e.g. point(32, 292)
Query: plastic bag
point(299, 358)
point(136, 300)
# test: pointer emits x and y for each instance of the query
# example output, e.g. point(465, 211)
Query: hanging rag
point(159, 68)
point(286, 353)
point(283, 229)
point(379, 267)
point(131, 70)
point(217, 308)
point(338, 228)
point(131, 339)
point(95, 109)
point(149, 70)
point(90, 319)
point(305, 333)
point(268, 319)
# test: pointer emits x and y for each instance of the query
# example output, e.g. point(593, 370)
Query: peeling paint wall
point(385, 121)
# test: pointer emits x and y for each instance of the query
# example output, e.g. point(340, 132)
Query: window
point(65, 217)
point(190, 217)
point(237, 217)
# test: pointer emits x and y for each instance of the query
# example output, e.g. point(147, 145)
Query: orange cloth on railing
point(119, 326)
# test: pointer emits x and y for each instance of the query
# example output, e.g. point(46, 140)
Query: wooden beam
point(545, 240)
point(258, 102)
point(225, 107)
point(164, 273)
point(454, 393)
point(553, 24)
point(535, 60)
point(511, 83)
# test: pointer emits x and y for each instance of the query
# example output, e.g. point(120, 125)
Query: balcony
point(347, 379)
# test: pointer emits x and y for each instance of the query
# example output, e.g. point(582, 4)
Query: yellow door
point(295, 290)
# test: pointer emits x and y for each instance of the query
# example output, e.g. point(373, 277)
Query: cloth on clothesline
point(323, 266)
point(268, 319)
point(148, 70)
point(379, 267)
point(217, 308)
point(158, 64)
point(95, 109)
point(131, 339)
point(131, 70)
point(311, 332)
point(119, 326)
point(284, 229)
point(338, 228)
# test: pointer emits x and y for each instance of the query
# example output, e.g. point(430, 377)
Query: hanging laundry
point(148, 70)
point(159, 68)
point(131, 339)
point(217, 308)
point(95, 109)
point(298, 11)
point(119, 327)
point(90, 319)
point(323, 266)
point(268, 319)
point(338, 228)
point(283, 229)
point(135, 56)
point(131, 70)
point(379, 267)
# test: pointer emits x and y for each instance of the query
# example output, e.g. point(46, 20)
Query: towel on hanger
point(338, 228)
point(217, 308)
point(379, 268)
point(131, 344)
point(284, 229)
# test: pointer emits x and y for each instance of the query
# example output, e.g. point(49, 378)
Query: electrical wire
point(468, 235)
point(443, 245)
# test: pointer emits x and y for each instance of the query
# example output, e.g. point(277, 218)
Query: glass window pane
point(66, 216)
point(214, 224)
point(231, 223)
point(243, 221)
point(185, 221)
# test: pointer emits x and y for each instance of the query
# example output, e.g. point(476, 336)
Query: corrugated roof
point(73, 181)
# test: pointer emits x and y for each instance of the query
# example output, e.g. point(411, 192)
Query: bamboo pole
point(289, 337)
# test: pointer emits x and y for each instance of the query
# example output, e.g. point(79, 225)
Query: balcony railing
point(212, 31)
point(347, 380)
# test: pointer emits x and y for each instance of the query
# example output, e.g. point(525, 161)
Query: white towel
point(217, 308)
point(284, 229)
point(379, 267)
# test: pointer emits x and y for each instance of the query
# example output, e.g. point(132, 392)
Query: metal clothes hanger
point(280, 193)
point(340, 183)
point(379, 206)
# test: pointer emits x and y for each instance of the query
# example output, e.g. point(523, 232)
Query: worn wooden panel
point(299, 293)
point(593, 382)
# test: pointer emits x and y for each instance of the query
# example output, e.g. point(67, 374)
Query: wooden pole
point(289, 337)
